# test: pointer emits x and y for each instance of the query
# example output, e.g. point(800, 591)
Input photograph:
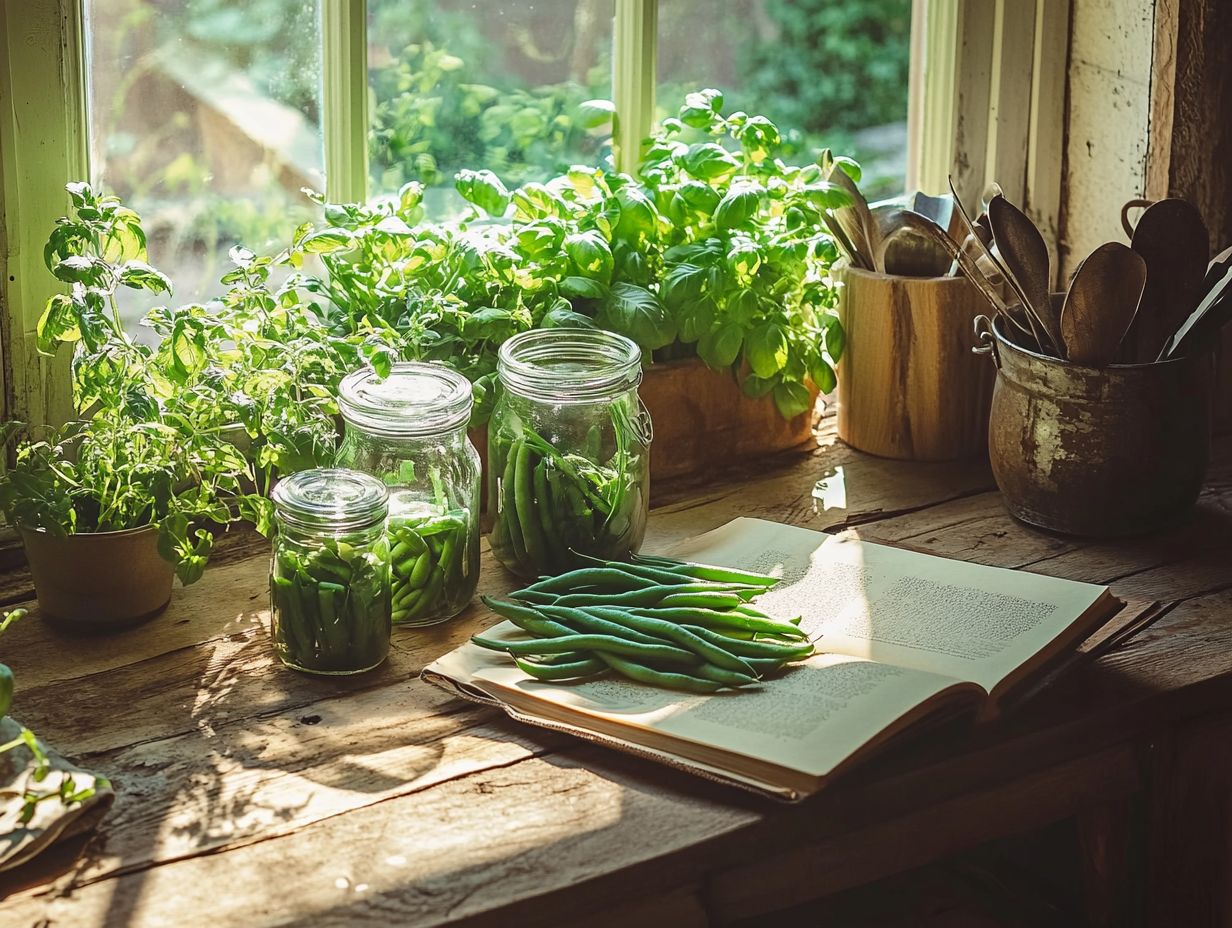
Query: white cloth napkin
point(53, 819)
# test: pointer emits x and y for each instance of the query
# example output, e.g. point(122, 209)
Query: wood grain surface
point(908, 385)
point(251, 795)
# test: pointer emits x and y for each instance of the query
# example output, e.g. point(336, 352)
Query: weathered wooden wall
point(1108, 121)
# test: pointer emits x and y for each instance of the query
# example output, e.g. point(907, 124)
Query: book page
point(810, 718)
point(934, 614)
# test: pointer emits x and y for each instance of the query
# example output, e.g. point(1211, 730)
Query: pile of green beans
point(331, 605)
point(655, 620)
point(552, 505)
point(428, 556)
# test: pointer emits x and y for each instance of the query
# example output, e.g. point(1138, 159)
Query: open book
point(903, 637)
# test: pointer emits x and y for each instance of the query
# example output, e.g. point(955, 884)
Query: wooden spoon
point(857, 219)
point(1100, 305)
point(1026, 256)
point(1172, 239)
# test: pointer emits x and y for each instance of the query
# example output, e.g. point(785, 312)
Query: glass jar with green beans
point(329, 578)
point(568, 450)
point(409, 431)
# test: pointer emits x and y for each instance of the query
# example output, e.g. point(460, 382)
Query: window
point(208, 116)
point(205, 117)
point(461, 84)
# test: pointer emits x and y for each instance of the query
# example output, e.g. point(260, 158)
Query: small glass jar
point(568, 450)
point(409, 431)
point(329, 578)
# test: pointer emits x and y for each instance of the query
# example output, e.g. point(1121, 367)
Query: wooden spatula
point(1172, 239)
point(1101, 303)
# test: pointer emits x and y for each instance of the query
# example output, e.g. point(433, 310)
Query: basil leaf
point(583, 287)
point(140, 276)
point(590, 254)
point(635, 312)
point(327, 241)
point(738, 206)
point(708, 161)
point(595, 114)
point(766, 349)
point(484, 189)
point(720, 347)
point(792, 398)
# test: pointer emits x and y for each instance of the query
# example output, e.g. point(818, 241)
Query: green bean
point(722, 675)
point(554, 505)
point(524, 505)
point(321, 624)
point(527, 619)
point(713, 618)
point(637, 570)
point(707, 650)
point(765, 666)
point(506, 511)
point(534, 597)
point(555, 549)
point(605, 577)
point(607, 644)
point(707, 571)
point(702, 600)
point(576, 670)
point(427, 549)
point(769, 649)
point(647, 596)
point(675, 681)
point(595, 624)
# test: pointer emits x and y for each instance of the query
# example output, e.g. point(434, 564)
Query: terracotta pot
point(99, 581)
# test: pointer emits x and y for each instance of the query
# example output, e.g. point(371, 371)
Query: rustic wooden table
point(251, 795)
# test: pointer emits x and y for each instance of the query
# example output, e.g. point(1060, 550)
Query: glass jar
point(409, 431)
point(568, 450)
point(329, 578)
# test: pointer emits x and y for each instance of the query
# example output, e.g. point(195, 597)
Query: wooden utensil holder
point(908, 385)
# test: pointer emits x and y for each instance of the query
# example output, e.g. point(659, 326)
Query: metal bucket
point(1099, 452)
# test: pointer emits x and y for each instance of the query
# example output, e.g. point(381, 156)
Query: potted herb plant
point(712, 255)
point(112, 505)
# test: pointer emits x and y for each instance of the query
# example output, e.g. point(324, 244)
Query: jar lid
point(566, 366)
point(333, 498)
point(416, 398)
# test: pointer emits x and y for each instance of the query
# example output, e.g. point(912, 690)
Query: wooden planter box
point(703, 420)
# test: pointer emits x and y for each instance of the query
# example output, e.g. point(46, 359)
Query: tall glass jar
point(409, 431)
point(329, 577)
point(568, 450)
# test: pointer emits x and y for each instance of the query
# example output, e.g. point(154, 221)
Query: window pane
point(205, 116)
point(466, 84)
point(827, 72)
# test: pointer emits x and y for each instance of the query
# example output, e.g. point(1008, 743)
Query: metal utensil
point(1037, 332)
point(940, 210)
point(1200, 328)
point(1100, 305)
point(906, 251)
point(1025, 255)
point(1214, 270)
point(1172, 239)
point(922, 225)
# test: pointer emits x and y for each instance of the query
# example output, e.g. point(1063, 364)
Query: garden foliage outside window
point(207, 115)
